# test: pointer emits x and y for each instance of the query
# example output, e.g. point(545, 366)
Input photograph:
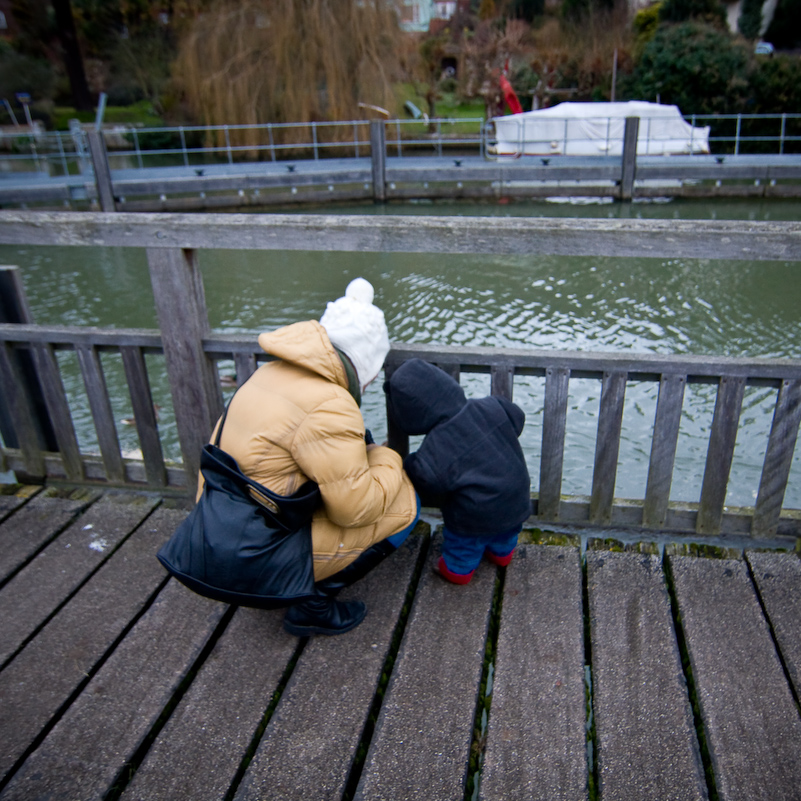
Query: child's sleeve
point(515, 414)
point(426, 481)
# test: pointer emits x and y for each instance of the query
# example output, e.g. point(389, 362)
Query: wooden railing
point(191, 353)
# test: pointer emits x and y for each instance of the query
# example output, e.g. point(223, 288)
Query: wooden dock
point(584, 670)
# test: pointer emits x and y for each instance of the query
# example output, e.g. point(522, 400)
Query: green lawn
point(141, 112)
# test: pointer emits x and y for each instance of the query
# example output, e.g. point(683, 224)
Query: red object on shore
point(509, 96)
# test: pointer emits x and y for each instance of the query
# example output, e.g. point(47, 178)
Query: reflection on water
point(587, 303)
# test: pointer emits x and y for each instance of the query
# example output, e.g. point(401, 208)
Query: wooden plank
point(607, 446)
point(37, 523)
point(646, 741)
point(97, 150)
point(88, 748)
point(536, 745)
point(553, 442)
point(396, 439)
point(246, 183)
point(717, 239)
point(54, 665)
point(778, 577)
point(778, 460)
point(199, 751)
point(420, 748)
point(37, 591)
point(144, 415)
point(663, 449)
point(244, 365)
point(181, 309)
point(58, 408)
point(68, 336)
point(751, 722)
point(452, 370)
point(502, 380)
point(102, 415)
point(12, 496)
point(346, 670)
point(722, 440)
point(20, 405)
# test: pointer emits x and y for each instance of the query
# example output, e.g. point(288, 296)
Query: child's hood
point(420, 395)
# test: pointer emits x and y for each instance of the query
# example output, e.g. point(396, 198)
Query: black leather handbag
point(242, 543)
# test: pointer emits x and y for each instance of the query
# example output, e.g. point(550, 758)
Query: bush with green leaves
point(693, 65)
point(24, 73)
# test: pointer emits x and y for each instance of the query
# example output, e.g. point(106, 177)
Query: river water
point(574, 303)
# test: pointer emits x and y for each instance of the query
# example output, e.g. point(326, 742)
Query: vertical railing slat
point(133, 361)
point(553, 442)
point(722, 440)
point(778, 460)
point(58, 409)
point(20, 405)
point(102, 415)
point(607, 446)
point(396, 439)
point(245, 366)
point(453, 370)
point(502, 380)
point(663, 449)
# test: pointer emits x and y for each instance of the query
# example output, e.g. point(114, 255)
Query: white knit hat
point(358, 329)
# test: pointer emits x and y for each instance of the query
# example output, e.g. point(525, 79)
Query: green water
point(590, 304)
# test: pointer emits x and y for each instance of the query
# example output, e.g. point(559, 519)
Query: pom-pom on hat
point(357, 328)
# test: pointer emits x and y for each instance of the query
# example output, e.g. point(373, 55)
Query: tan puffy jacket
point(294, 420)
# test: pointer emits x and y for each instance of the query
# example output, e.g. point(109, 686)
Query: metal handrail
point(65, 152)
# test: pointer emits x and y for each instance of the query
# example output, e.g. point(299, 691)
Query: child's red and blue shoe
point(501, 561)
point(449, 575)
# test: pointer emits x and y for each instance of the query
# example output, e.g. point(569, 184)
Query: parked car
point(763, 49)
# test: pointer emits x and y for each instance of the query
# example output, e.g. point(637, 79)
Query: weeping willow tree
point(255, 61)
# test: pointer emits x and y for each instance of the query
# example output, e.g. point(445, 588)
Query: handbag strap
point(222, 423)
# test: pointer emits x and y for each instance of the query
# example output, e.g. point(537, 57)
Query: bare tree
point(71, 53)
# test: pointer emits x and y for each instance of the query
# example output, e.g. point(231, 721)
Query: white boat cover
point(592, 129)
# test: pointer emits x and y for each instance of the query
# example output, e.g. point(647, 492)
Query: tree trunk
point(73, 61)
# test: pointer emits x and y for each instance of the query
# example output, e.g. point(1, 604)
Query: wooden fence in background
point(191, 352)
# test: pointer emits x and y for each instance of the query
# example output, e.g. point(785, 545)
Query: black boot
point(357, 569)
point(323, 616)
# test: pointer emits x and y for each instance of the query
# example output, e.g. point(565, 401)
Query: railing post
point(181, 309)
point(629, 160)
point(22, 380)
point(183, 146)
point(378, 154)
point(97, 149)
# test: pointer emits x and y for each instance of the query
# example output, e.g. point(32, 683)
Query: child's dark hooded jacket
point(470, 463)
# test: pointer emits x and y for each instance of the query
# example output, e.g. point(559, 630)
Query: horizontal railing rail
point(190, 358)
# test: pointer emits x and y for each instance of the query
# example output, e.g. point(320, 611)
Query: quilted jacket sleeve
point(427, 481)
point(358, 486)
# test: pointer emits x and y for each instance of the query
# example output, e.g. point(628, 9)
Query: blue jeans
point(463, 553)
point(398, 539)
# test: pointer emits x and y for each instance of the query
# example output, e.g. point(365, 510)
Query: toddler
point(470, 465)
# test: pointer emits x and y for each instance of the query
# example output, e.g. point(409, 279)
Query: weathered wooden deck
point(612, 674)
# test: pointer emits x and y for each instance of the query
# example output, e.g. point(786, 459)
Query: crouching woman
point(297, 420)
